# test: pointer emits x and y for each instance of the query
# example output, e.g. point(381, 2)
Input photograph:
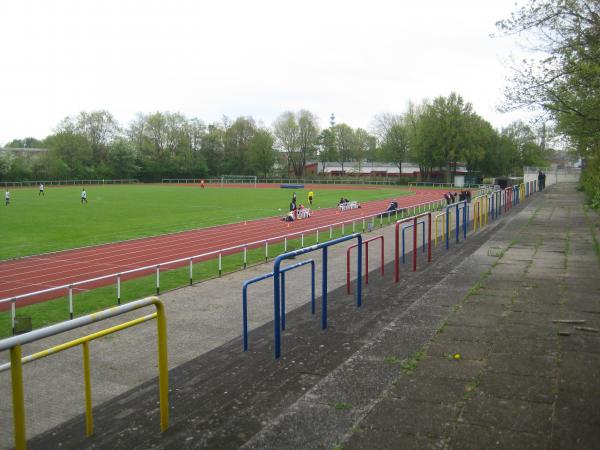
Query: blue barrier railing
point(423, 235)
point(465, 208)
point(269, 275)
point(276, 282)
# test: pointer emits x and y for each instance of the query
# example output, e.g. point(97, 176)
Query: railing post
point(317, 235)
point(191, 271)
point(282, 301)
point(397, 253)
point(324, 290)
point(359, 274)
point(367, 262)
point(118, 289)
point(220, 264)
point(415, 230)
point(71, 302)
point(312, 288)
point(330, 232)
point(447, 227)
point(266, 250)
point(157, 279)
point(348, 270)
point(87, 381)
point(429, 247)
point(457, 223)
point(302, 240)
point(465, 219)
point(163, 366)
point(13, 314)
point(18, 398)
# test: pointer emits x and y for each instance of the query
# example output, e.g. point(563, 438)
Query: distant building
point(376, 169)
point(28, 153)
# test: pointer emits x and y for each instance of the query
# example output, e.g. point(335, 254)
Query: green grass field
point(34, 224)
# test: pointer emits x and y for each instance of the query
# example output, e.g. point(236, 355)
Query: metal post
point(397, 254)
point(324, 290)
point(18, 398)
point(312, 288)
point(282, 301)
point(457, 223)
point(429, 247)
point(353, 226)
point(403, 252)
point(245, 257)
point(71, 302)
point(157, 279)
point(415, 230)
point(302, 240)
point(89, 419)
point(343, 230)
point(317, 235)
point(367, 262)
point(13, 314)
point(266, 250)
point(118, 289)
point(163, 366)
point(364, 225)
point(447, 228)
point(359, 274)
point(220, 264)
point(465, 219)
point(330, 232)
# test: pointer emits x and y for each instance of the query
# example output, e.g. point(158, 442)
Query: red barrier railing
point(397, 249)
point(366, 244)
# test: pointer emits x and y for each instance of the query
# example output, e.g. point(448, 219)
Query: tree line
point(434, 134)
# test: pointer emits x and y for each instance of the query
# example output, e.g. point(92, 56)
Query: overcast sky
point(259, 58)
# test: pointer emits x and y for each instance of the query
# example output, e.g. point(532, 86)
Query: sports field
point(34, 224)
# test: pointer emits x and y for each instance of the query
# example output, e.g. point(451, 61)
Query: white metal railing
point(361, 180)
point(65, 182)
point(69, 288)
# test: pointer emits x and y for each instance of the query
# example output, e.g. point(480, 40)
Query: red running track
point(35, 273)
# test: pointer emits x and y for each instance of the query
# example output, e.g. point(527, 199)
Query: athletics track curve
point(35, 273)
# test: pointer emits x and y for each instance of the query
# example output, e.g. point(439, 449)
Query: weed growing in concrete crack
point(475, 289)
point(341, 406)
point(470, 388)
point(392, 360)
point(409, 365)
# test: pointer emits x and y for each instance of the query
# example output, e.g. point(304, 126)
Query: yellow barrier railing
point(16, 361)
point(442, 215)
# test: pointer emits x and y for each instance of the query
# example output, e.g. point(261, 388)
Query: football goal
point(250, 180)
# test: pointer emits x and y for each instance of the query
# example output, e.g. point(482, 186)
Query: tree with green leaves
point(297, 135)
point(396, 144)
point(28, 142)
point(237, 141)
point(562, 77)
point(261, 155)
point(345, 143)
